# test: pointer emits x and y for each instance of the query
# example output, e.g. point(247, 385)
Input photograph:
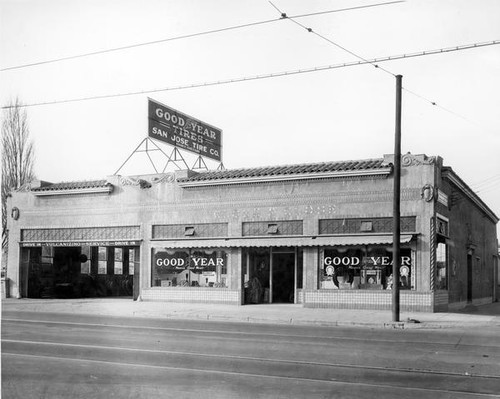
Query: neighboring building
point(316, 234)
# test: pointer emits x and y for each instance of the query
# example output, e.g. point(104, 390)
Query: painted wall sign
point(183, 131)
point(81, 243)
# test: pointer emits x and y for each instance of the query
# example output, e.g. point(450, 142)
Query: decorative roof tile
point(285, 170)
point(79, 185)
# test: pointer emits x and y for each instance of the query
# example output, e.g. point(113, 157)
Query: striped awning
point(318, 241)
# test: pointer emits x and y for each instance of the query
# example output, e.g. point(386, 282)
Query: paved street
point(62, 355)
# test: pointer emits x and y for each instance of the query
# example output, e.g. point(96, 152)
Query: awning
point(318, 241)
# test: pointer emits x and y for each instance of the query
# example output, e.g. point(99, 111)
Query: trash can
point(5, 287)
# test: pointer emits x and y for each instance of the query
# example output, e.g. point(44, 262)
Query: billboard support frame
point(199, 164)
point(147, 150)
point(174, 159)
point(179, 130)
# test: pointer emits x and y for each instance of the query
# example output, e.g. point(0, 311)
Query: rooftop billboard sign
point(178, 129)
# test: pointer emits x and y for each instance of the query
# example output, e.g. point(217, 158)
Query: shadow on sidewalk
point(490, 309)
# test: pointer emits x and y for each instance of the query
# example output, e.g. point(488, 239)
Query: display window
point(441, 266)
point(118, 266)
point(364, 267)
point(133, 260)
point(442, 235)
point(86, 260)
point(189, 268)
point(102, 267)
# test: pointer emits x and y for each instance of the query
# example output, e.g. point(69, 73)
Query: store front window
point(441, 266)
point(118, 269)
point(86, 260)
point(364, 268)
point(442, 234)
point(189, 268)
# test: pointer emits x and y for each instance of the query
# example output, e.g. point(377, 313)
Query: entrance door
point(269, 275)
point(469, 278)
point(283, 277)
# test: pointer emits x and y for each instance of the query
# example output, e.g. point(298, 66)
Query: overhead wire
point(488, 189)
point(272, 75)
point(310, 30)
point(191, 35)
point(488, 185)
point(485, 181)
point(439, 106)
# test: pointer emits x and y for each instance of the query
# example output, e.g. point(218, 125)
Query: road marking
point(261, 359)
point(333, 382)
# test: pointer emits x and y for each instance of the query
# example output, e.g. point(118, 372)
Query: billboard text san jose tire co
point(183, 131)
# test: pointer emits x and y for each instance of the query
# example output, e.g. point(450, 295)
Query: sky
point(327, 115)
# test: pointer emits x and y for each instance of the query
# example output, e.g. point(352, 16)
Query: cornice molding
point(76, 191)
point(307, 176)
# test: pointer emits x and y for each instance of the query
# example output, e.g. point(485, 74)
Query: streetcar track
point(255, 375)
point(250, 358)
point(243, 333)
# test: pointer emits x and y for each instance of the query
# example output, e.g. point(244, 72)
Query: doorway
point(283, 277)
point(271, 275)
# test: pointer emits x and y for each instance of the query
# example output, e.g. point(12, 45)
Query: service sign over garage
point(183, 131)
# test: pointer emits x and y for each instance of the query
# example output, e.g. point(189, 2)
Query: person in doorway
point(255, 290)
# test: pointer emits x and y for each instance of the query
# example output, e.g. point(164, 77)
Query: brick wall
point(470, 232)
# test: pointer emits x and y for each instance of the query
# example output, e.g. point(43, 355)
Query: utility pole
point(396, 204)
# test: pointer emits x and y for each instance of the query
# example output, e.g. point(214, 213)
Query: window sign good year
point(189, 268)
point(363, 268)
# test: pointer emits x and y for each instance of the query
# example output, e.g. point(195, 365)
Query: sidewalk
point(471, 317)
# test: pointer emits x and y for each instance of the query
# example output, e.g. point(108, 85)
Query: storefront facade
point(318, 234)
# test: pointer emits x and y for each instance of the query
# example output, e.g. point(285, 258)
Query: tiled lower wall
point(441, 301)
point(365, 299)
point(300, 296)
point(192, 295)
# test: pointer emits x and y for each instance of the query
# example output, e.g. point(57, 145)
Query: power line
point(492, 183)
point(310, 30)
point(273, 75)
point(347, 9)
point(485, 181)
point(191, 35)
point(488, 189)
point(435, 104)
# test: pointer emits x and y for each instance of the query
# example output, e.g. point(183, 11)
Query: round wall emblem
point(427, 193)
point(15, 213)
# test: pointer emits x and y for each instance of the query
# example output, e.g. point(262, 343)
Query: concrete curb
point(278, 315)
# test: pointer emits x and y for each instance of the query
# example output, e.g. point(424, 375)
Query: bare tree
point(17, 156)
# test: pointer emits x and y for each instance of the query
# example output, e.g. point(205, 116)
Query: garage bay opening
point(79, 271)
